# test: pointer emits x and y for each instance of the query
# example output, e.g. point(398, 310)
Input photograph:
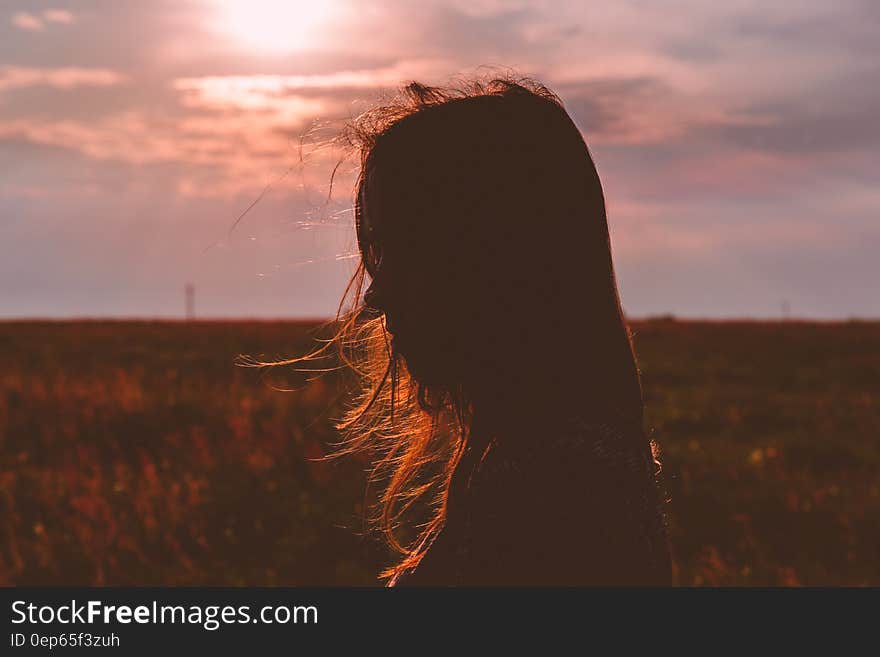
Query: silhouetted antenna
point(786, 309)
point(190, 294)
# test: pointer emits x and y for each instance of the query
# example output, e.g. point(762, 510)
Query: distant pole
point(190, 293)
point(786, 309)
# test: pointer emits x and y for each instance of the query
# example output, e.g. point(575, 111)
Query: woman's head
point(481, 225)
point(485, 298)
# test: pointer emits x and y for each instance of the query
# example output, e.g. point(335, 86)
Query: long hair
point(485, 295)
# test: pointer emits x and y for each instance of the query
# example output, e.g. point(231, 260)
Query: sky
point(737, 143)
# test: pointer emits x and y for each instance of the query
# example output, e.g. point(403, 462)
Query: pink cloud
point(250, 90)
point(254, 94)
point(745, 173)
point(218, 157)
point(35, 23)
point(58, 16)
point(24, 21)
point(279, 84)
point(12, 77)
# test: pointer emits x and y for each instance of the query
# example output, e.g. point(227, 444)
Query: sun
point(273, 25)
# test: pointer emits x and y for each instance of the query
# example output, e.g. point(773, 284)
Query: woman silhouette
point(499, 381)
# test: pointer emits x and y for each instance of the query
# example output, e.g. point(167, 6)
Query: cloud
point(130, 137)
point(220, 156)
point(646, 110)
point(276, 85)
point(36, 23)
point(261, 93)
point(25, 21)
point(244, 90)
point(799, 133)
point(58, 16)
point(836, 117)
point(13, 77)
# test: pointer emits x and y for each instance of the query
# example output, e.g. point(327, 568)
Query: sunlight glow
point(274, 25)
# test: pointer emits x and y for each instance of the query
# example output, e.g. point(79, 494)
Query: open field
point(137, 453)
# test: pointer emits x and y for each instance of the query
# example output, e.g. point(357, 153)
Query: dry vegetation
point(136, 453)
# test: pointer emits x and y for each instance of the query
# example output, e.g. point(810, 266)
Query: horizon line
point(670, 317)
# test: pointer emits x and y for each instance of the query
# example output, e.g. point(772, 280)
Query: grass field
point(137, 453)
